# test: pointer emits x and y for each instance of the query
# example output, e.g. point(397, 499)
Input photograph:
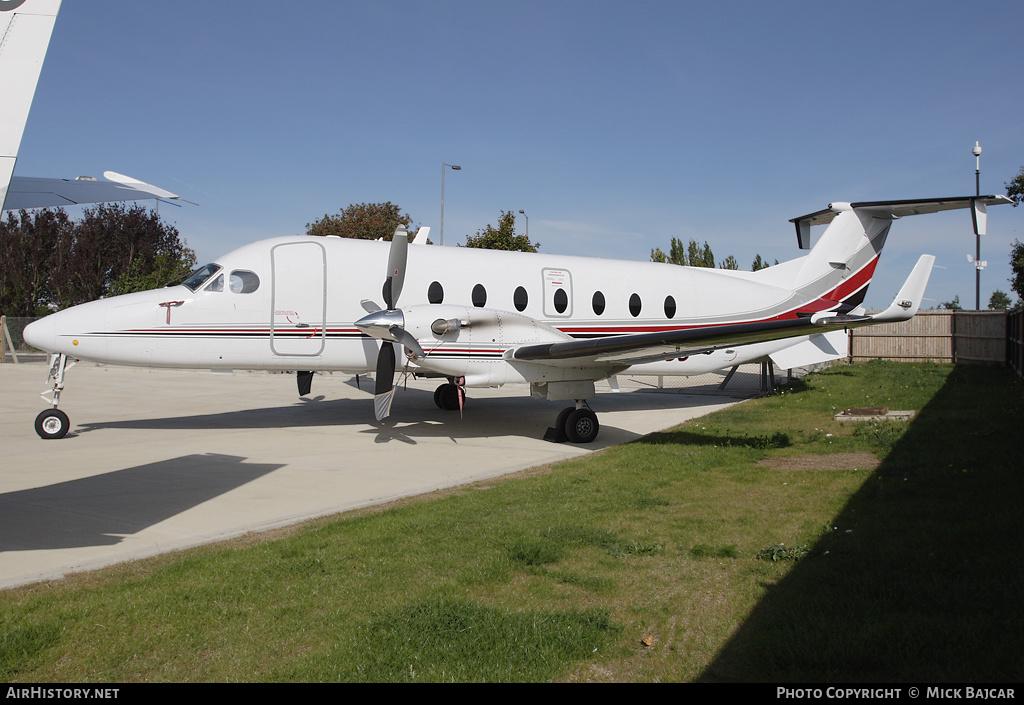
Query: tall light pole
point(454, 168)
point(977, 238)
point(527, 223)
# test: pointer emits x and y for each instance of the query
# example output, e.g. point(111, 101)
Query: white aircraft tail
point(841, 264)
point(25, 29)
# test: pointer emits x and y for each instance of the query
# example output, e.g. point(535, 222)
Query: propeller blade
point(369, 306)
point(408, 340)
point(396, 267)
point(384, 385)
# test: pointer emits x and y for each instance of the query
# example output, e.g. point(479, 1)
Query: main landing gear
point(54, 423)
point(577, 424)
point(450, 397)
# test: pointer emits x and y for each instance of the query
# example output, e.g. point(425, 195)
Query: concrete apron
point(159, 460)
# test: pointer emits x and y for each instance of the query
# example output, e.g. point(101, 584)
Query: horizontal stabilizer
point(897, 209)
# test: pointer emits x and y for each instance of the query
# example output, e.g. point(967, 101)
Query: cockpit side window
point(217, 284)
point(200, 276)
point(243, 281)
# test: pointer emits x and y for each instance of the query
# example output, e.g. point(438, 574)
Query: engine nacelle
point(464, 341)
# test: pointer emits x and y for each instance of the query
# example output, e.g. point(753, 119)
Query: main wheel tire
point(582, 426)
point(52, 423)
point(447, 397)
point(560, 423)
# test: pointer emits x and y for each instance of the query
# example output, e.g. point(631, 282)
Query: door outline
point(285, 298)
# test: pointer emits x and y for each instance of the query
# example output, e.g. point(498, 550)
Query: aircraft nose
point(41, 334)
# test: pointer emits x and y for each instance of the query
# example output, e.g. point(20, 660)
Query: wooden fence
point(1015, 340)
point(970, 337)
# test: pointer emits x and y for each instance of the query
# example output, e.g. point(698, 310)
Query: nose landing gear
point(53, 423)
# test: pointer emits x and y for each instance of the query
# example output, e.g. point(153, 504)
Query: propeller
point(388, 325)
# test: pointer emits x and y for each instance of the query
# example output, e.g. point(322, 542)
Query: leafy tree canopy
point(760, 263)
point(1015, 188)
point(503, 237)
point(363, 221)
point(999, 301)
point(692, 255)
point(1017, 265)
point(52, 262)
point(953, 305)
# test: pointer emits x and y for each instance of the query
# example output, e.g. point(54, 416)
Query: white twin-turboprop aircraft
point(476, 318)
point(482, 318)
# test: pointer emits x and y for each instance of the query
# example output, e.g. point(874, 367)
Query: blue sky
point(614, 125)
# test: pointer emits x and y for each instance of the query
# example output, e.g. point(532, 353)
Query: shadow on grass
point(920, 578)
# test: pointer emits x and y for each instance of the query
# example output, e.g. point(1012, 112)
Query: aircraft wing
point(639, 348)
point(634, 349)
point(30, 192)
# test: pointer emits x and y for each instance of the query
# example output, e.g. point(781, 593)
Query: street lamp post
point(527, 224)
point(454, 168)
point(977, 238)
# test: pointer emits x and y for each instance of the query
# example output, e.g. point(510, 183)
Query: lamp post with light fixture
point(527, 224)
point(453, 168)
point(978, 264)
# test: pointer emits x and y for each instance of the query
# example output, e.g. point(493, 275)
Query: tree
point(363, 221)
point(758, 263)
point(729, 263)
point(52, 262)
point(693, 255)
point(676, 253)
point(953, 305)
point(503, 237)
point(1017, 266)
point(700, 256)
point(999, 301)
point(1015, 188)
point(32, 246)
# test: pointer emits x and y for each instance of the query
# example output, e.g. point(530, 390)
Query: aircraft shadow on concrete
point(414, 415)
point(101, 510)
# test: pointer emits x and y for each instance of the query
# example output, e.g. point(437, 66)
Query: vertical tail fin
point(842, 263)
point(25, 29)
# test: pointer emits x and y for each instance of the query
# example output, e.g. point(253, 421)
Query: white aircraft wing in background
point(25, 29)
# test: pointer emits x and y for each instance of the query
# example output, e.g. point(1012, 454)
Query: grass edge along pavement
point(715, 551)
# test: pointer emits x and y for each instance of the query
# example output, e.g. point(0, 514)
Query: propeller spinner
point(388, 325)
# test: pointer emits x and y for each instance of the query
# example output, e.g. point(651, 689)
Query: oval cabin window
point(561, 300)
point(670, 307)
point(598, 303)
point(435, 293)
point(520, 298)
point(479, 296)
point(243, 281)
point(634, 305)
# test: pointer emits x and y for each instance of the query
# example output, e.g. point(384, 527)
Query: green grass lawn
point(767, 542)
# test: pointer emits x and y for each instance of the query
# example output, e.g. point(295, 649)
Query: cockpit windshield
point(200, 276)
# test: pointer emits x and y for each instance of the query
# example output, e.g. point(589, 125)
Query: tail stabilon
point(25, 29)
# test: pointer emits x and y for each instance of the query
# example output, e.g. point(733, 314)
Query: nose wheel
point(52, 423)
